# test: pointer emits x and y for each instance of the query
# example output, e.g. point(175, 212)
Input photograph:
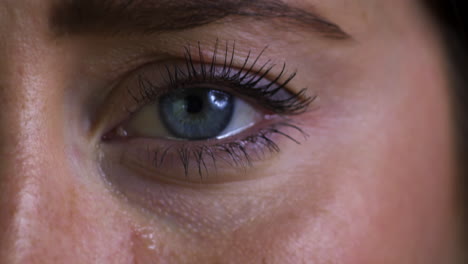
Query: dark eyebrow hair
point(71, 17)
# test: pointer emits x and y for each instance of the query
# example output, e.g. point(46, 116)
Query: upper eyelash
point(243, 80)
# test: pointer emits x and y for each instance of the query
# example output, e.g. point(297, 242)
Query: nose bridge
point(22, 164)
point(24, 169)
point(48, 214)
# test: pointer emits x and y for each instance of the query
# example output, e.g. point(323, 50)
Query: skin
point(374, 182)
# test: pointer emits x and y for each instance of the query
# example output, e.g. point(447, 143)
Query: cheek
point(374, 186)
point(395, 169)
point(380, 183)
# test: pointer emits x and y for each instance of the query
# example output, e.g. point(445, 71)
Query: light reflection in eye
point(218, 99)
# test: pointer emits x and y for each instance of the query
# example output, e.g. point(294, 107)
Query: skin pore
point(372, 180)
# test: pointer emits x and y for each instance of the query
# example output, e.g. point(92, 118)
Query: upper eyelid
point(207, 62)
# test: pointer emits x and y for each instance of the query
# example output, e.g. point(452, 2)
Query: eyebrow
point(80, 17)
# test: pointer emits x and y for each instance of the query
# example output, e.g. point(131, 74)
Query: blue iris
point(196, 113)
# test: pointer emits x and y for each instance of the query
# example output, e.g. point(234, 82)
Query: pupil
point(194, 104)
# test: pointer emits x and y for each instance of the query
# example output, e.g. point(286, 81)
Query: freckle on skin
point(365, 17)
point(20, 70)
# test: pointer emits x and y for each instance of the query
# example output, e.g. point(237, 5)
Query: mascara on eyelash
point(253, 84)
point(239, 154)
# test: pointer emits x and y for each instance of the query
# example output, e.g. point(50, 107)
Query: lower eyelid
point(196, 162)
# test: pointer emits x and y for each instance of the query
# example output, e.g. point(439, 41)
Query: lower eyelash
point(238, 153)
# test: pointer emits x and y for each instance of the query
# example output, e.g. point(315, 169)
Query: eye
point(193, 121)
point(197, 113)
